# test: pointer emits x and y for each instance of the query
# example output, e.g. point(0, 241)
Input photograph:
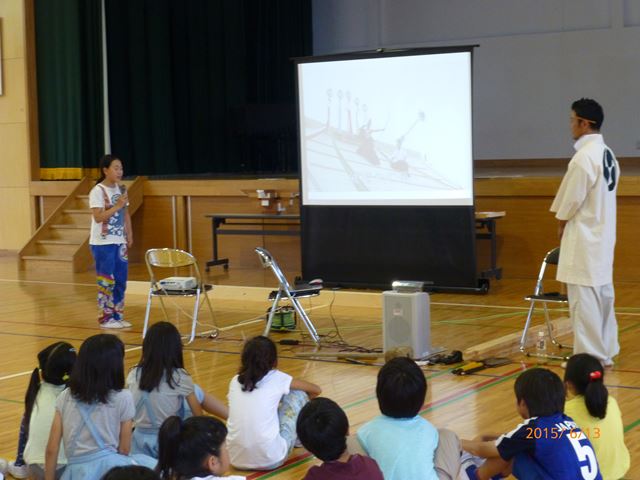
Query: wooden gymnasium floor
point(38, 309)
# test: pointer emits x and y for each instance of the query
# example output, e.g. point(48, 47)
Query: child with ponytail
point(193, 449)
point(47, 381)
point(94, 416)
point(596, 413)
point(264, 404)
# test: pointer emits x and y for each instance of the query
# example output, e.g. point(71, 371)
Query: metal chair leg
point(272, 313)
point(164, 309)
point(554, 340)
point(523, 339)
point(551, 337)
point(146, 314)
point(194, 318)
point(305, 318)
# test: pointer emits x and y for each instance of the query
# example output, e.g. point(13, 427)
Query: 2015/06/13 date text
point(556, 433)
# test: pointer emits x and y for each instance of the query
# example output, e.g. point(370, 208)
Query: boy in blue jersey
point(548, 445)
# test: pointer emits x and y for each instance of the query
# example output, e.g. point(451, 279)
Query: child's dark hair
point(105, 162)
point(259, 357)
point(322, 428)
point(589, 109)
point(542, 391)
point(98, 370)
point(54, 366)
point(161, 356)
point(184, 446)
point(131, 472)
point(586, 374)
point(401, 388)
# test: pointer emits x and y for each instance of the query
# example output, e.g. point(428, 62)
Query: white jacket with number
point(586, 199)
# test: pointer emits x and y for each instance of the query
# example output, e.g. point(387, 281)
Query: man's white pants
point(595, 329)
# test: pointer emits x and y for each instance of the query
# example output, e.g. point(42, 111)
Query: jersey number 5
point(585, 453)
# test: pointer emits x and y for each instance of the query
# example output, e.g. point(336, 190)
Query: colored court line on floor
point(289, 464)
point(631, 426)
point(471, 390)
point(7, 400)
point(626, 387)
point(630, 327)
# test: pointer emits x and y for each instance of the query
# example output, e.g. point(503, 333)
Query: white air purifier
point(406, 322)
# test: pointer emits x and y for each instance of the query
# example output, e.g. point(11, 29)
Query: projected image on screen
point(387, 131)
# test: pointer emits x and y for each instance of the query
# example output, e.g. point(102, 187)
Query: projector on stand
point(179, 283)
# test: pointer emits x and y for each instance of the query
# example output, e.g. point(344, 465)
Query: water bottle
point(541, 343)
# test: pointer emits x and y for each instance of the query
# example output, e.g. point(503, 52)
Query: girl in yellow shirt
point(596, 413)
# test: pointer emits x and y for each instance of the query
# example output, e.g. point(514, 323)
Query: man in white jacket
point(585, 207)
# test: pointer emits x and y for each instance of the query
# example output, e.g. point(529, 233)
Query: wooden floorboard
point(37, 309)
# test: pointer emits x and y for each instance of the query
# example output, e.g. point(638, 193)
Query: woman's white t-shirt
point(254, 439)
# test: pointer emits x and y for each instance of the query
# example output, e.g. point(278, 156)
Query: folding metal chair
point(285, 291)
point(162, 258)
point(539, 296)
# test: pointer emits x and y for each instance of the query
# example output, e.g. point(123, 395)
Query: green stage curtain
point(69, 74)
point(205, 86)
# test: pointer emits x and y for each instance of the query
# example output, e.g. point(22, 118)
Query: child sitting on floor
point(94, 415)
point(161, 387)
point(547, 445)
point(323, 429)
point(405, 445)
point(193, 449)
point(597, 414)
point(263, 408)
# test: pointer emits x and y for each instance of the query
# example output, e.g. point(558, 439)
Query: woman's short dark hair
point(184, 446)
point(586, 374)
point(259, 357)
point(542, 391)
point(98, 370)
point(401, 388)
point(322, 428)
point(161, 356)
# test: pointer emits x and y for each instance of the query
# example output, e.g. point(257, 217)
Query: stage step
point(57, 247)
point(61, 263)
point(62, 241)
point(74, 216)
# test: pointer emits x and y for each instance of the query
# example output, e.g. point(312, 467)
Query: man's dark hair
point(542, 391)
point(590, 110)
point(401, 388)
point(322, 428)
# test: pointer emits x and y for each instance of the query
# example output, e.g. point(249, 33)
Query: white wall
point(535, 58)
